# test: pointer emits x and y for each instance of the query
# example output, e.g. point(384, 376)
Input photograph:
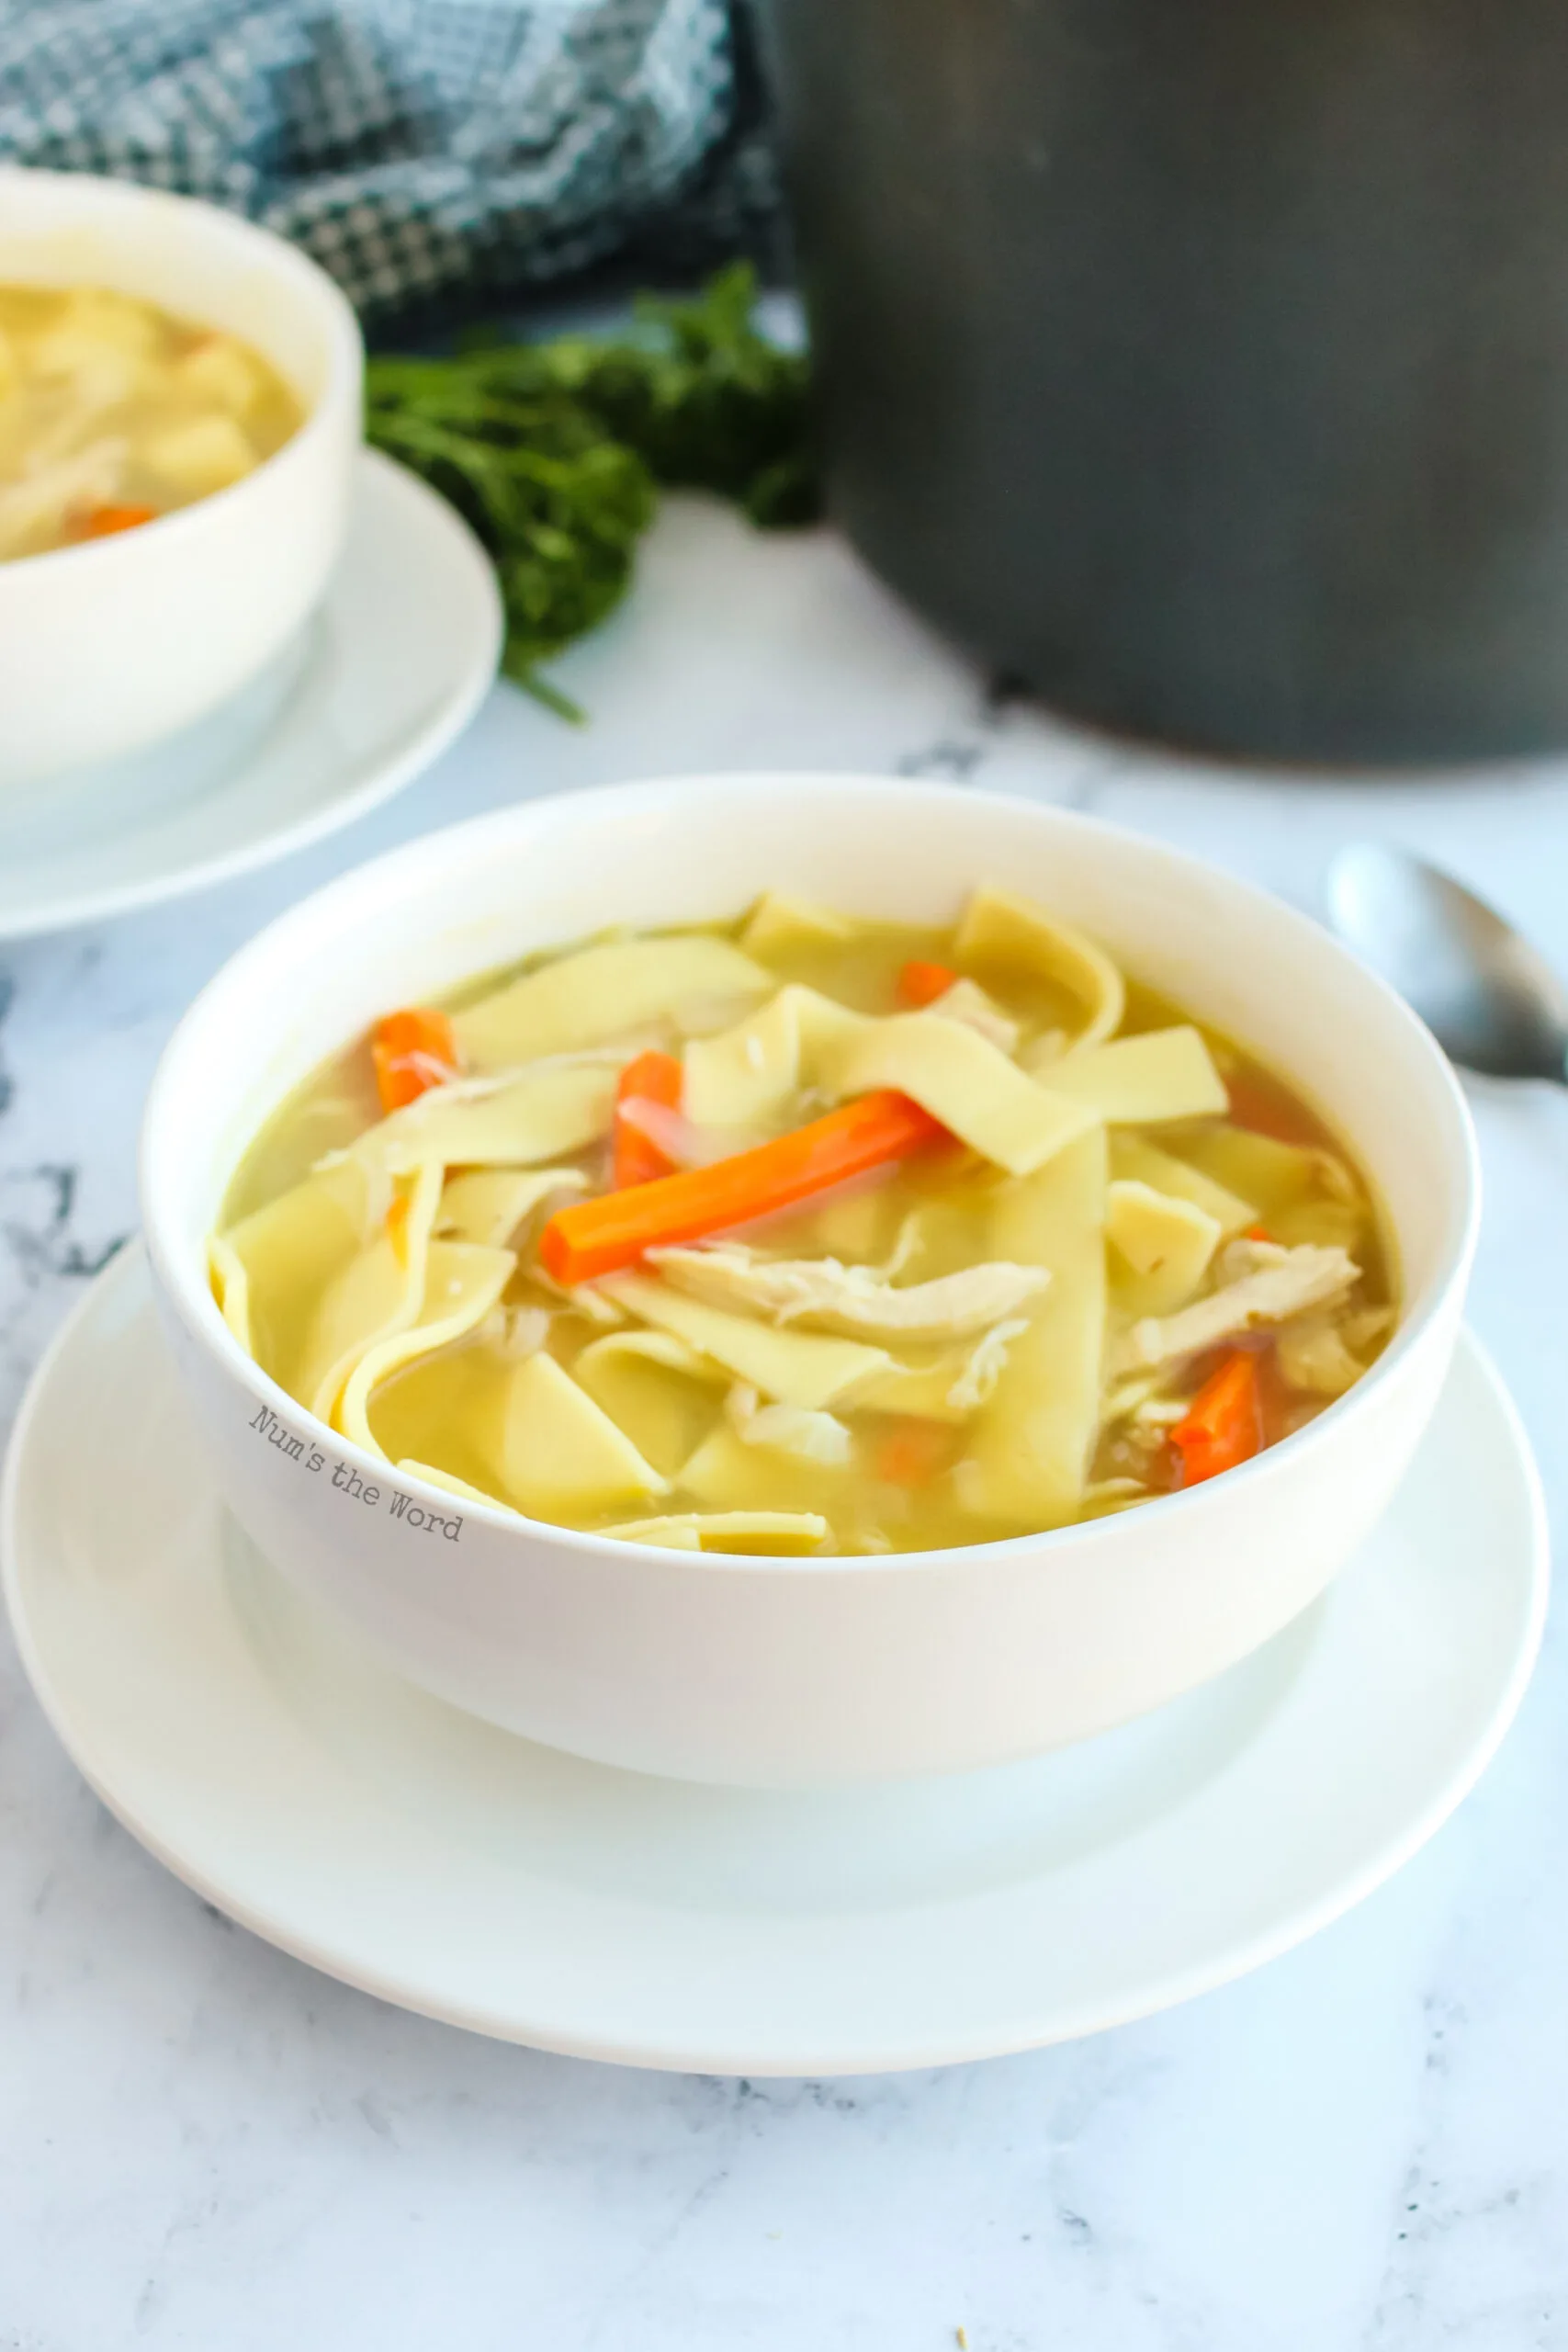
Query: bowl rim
point(189, 1293)
point(345, 350)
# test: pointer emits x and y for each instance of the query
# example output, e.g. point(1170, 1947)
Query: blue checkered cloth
point(434, 155)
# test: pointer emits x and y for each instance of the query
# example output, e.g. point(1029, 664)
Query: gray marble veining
point(204, 2144)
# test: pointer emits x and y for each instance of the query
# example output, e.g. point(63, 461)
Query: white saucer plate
point(254, 1748)
point(389, 671)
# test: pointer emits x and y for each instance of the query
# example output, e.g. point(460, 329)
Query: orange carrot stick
point(600, 1237)
point(651, 1078)
point(1224, 1423)
point(103, 522)
point(920, 984)
point(412, 1050)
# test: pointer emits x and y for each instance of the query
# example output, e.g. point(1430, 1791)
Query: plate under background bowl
point(389, 670)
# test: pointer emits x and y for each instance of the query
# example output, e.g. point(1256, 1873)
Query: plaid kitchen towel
point(431, 155)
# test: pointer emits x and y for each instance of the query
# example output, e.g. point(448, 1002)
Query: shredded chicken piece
point(1135, 1448)
point(1367, 1323)
point(1242, 1255)
point(1140, 1403)
point(41, 502)
point(1263, 1285)
point(1326, 1358)
point(1161, 1412)
point(515, 1331)
point(524, 1329)
point(853, 1299)
point(977, 1381)
point(609, 1055)
point(1122, 1401)
point(908, 1242)
point(790, 1428)
point(1312, 1355)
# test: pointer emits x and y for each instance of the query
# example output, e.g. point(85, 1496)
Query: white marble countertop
point(203, 2144)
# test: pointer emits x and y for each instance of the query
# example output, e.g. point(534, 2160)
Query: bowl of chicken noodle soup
point(781, 1279)
point(180, 410)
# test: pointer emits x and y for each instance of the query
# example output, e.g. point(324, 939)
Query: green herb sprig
point(556, 452)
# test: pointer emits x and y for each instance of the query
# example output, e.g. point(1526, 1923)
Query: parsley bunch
point(556, 452)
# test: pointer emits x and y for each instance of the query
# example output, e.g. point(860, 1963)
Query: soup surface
point(113, 412)
point(811, 1235)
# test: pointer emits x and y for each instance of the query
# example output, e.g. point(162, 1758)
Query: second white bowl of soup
point(179, 412)
point(925, 1279)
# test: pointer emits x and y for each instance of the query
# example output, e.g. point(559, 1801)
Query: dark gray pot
point(1205, 362)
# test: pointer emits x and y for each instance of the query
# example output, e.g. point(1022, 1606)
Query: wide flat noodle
point(376, 1294)
point(542, 1115)
point(1135, 1160)
point(1033, 1442)
point(727, 1531)
point(231, 1288)
point(777, 923)
point(748, 1074)
point(964, 1080)
point(999, 929)
point(324, 1274)
point(1274, 1175)
point(726, 1474)
point(559, 1454)
point(603, 992)
point(463, 1280)
point(1163, 1074)
point(1283, 1178)
point(274, 1263)
point(488, 1204)
point(792, 1367)
point(1163, 1243)
point(661, 1392)
point(967, 1001)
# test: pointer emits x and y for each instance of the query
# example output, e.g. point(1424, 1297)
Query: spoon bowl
point(1489, 999)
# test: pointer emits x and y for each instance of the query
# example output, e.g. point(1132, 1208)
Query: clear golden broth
point(435, 1410)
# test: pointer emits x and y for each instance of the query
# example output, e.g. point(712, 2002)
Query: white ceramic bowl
point(108, 647)
point(763, 1671)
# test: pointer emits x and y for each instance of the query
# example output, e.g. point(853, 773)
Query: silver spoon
point(1490, 1001)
